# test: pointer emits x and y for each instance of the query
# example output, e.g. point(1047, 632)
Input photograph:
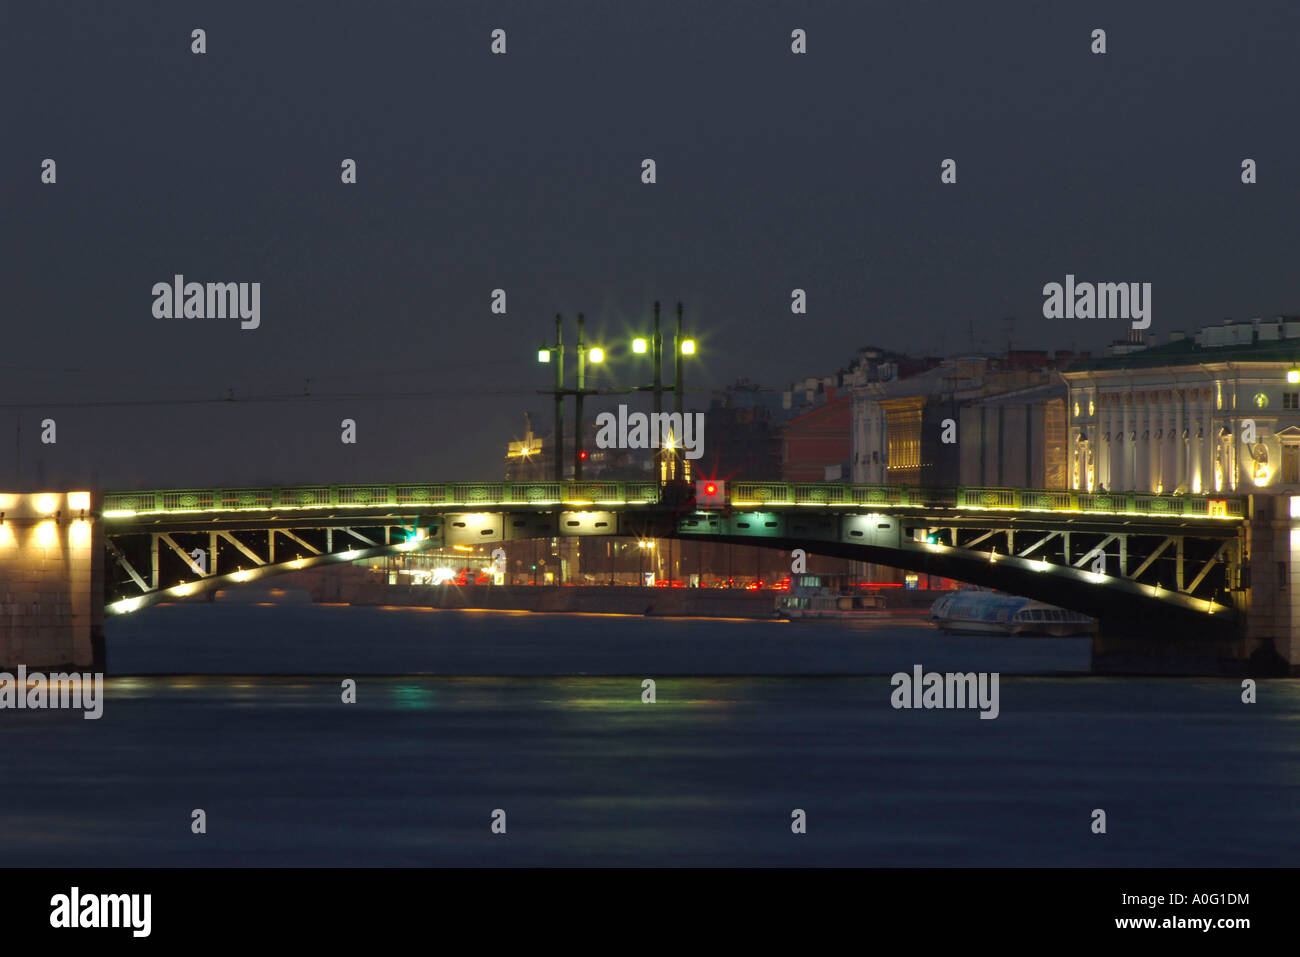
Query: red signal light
point(710, 493)
point(582, 455)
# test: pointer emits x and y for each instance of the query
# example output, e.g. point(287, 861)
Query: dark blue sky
point(522, 171)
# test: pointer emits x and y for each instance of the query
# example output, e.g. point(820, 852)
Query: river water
point(236, 709)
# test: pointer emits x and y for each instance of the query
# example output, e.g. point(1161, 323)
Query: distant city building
point(903, 408)
point(742, 434)
point(815, 444)
point(1217, 412)
point(530, 459)
point(1015, 439)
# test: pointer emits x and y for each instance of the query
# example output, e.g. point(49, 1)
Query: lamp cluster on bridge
point(672, 466)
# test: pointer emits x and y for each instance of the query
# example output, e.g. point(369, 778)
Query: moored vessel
point(973, 611)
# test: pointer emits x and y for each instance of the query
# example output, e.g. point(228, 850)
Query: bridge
point(1167, 572)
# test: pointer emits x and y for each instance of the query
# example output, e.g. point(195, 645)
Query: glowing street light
point(596, 354)
point(543, 355)
point(1293, 376)
point(639, 346)
point(688, 347)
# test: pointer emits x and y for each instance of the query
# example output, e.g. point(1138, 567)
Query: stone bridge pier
point(1265, 640)
point(51, 582)
point(1273, 596)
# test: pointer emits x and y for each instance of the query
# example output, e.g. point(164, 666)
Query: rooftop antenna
point(1010, 323)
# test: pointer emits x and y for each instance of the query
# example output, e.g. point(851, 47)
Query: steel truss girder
point(1148, 549)
point(248, 542)
point(1199, 547)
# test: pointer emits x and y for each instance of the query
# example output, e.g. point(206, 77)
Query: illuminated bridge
point(1204, 584)
point(1154, 565)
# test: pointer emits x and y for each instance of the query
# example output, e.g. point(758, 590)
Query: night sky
point(522, 171)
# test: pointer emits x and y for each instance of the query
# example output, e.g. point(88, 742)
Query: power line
point(232, 399)
point(263, 399)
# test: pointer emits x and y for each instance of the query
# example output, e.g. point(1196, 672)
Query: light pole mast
point(678, 372)
point(559, 398)
point(657, 348)
point(581, 394)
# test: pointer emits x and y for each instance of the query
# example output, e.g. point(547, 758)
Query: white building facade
point(1218, 413)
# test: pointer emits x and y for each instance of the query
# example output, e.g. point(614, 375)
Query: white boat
point(973, 611)
point(809, 598)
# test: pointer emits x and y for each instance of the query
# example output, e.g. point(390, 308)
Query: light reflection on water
point(589, 774)
point(706, 775)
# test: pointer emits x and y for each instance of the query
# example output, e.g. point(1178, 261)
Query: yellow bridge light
point(639, 346)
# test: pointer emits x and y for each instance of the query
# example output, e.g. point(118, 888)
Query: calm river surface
point(235, 709)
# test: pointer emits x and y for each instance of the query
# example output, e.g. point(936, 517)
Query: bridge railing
point(597, 493)
point(433, 495)
point(834, 493)
point(1128, 503)
point(760, 494)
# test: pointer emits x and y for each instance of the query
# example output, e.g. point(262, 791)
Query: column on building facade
point(1203, 478)
point(1132, 438)
point(1169, 442)
point(1143, 448)
point(1126, 444)
point(1107, 443)
point(1161, 435)
point(1137, 435)
point(1103, 440)
point(1234, 459)
point(1153, 439)
point(1180, 447)
point(1104, 449)
point(1157, 440)
point(1212, 438)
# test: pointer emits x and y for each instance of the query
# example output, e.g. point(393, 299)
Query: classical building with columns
point(1214, 412)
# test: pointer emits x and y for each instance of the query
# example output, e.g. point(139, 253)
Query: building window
point(1291, 464)
point(1291, 400)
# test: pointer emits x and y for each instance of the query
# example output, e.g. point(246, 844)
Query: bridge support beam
point(51, 582)
point(1273, 596)
point(1267, 598)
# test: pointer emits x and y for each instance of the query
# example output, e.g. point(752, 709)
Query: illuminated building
point(1218, 411)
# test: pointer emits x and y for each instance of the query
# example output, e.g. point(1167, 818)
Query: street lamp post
point(668, 459)
point(679, 346)
point(596, 355)
point(580, 395)
point(555, 356)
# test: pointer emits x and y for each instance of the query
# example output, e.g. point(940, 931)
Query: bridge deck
point(489, 495)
